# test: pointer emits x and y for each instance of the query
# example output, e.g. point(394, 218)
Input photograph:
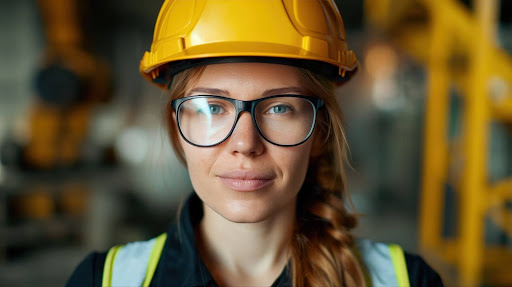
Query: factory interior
point(85, 159)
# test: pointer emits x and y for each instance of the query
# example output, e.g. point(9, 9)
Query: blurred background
point(85, 162)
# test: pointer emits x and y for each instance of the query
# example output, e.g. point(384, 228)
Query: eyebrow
point(286, 90)
point(209, 91)
point(271, 92)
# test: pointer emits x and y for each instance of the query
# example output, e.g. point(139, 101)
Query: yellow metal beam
point(475, 132)
point(501, 64)
point(450, 250)
point(435, 144)
point(461, 23)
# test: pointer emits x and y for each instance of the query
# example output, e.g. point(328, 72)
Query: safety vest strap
point(398, 258)
point(133, 264)
point(385, 263)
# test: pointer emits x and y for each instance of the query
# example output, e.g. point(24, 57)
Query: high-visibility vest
point(135, 263)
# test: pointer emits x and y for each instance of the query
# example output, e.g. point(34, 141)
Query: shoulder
point(420, 272)
point(386, 263)
point(133, 263)
point(89, 272)
point(131, 258)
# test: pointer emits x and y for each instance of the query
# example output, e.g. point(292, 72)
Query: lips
point(241, 180)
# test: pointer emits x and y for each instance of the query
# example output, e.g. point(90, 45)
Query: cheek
point(294, 165)
point(199, 162)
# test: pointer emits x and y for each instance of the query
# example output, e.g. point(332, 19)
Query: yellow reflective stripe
point(398, 258)
point(109, 265)
point(154, 258)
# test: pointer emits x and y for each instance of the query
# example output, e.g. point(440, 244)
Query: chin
point(243, 212)
point(249, 207)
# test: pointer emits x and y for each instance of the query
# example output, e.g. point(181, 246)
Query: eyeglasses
point(283, 120)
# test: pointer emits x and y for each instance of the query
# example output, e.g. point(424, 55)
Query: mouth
point(245, 180)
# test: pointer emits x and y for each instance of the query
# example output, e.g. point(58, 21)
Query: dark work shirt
point(180, 264)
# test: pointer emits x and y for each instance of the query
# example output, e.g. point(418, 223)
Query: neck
point(246, 252)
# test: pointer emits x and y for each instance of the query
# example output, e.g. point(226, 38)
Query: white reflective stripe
point(378, 262)
point(131, 263)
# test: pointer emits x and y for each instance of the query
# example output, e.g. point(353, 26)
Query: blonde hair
point(321, 245)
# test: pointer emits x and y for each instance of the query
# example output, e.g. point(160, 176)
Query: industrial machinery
point(70, 83)
point(44, 198)
point(459, 49)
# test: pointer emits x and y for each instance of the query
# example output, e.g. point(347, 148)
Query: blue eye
point(280, 109)
point(215, 109)
point(211, 109)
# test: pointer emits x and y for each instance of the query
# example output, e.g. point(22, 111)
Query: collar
point(180, 262)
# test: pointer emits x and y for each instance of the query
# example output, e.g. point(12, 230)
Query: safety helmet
point(304, 33)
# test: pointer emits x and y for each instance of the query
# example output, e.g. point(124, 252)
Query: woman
point(252, 114)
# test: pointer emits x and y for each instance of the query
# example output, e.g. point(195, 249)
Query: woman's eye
point(215, 109)
point(279, 109)
point(210, 109)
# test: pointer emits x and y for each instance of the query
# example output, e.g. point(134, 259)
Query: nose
point(245, 139)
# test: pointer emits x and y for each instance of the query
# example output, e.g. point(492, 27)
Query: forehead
point(248, 80)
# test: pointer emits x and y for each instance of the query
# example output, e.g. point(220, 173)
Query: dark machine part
point(59, 86)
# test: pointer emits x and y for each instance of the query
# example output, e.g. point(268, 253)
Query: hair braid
point(322, 244)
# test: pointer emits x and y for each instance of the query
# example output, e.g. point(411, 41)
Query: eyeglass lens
point(281, 120)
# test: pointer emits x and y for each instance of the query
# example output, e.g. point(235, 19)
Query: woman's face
point(245, 178)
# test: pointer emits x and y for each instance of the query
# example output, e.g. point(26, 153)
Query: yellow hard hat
point(304, 33)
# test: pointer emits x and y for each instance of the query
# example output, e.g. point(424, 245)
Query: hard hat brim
point(158, 67)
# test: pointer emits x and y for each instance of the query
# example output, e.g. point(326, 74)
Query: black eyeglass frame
point(247, 106)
